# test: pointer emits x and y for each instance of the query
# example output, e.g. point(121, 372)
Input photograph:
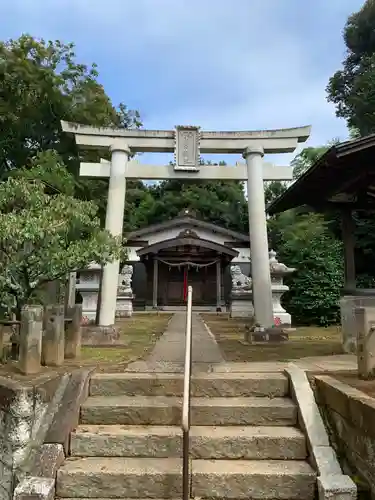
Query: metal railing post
point(186, 400)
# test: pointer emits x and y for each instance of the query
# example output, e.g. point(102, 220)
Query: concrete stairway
point(244, 440)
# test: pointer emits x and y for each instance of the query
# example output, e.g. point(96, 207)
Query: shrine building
point(169, 256)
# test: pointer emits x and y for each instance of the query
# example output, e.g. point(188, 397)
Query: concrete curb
point(208, 329)
point(332, 483)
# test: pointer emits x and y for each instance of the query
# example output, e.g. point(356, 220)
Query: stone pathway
point(315, 364)
point(169, 352)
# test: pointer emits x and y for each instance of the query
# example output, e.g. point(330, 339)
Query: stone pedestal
point(241, 299)
point(124, 306)
point(124, 303)
point(241, 305)
point(88, 286)
point(54, 336)
point(280, 316)
point(31, 339)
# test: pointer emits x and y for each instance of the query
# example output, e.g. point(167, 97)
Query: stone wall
point(35, 423)
point(349, 415)
point(22, 409)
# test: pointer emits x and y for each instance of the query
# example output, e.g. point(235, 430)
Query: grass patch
point(303, 342)
point(138, 335)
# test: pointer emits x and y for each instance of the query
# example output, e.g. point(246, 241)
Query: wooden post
point(218, 285)
point(155, 284)
point(348, 228)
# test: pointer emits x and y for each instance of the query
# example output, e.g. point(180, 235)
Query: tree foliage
point(274, 189)
point(308, 156)
point(41, 83)
point(45, 236)
point(304, 241)
point(219, 202)
point(352, 88)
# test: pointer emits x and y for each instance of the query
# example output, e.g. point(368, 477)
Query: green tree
point(352, 89)
point(274, 189)
point(219, 202)
point(139, 206)
point(44, 235)
point(308, 156)
point(304, 241)
point(41, 83)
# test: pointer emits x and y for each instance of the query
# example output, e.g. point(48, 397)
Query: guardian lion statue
point(240, 282)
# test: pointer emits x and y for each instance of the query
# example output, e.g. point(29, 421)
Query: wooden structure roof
point(343, 177)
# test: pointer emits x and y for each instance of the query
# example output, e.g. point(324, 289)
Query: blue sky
point(220, 64)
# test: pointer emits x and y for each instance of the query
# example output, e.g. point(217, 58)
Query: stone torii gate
point(187, 142)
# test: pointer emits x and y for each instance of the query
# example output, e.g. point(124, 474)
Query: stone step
point(205, 384)
point(161, 478)
point(274, 443)
point(161, 410)
point(119, 478)
point(255, 479)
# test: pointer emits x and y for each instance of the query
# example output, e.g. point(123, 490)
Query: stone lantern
point(278, 271)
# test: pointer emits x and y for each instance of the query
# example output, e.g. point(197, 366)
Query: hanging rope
point(187, 263)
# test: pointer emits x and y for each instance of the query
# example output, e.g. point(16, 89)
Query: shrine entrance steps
point(245, 442)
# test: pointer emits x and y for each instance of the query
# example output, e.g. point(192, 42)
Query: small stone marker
point(31, 339)
point(259, 334)
point(54, 336)
point(73, 332)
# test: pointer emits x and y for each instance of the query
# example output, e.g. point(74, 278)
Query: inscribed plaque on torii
point(187, 148)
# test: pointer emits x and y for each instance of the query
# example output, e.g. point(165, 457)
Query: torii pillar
point(114, 221)
point(260, 266)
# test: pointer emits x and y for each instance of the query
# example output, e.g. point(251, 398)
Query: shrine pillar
point(114, 224)
point(218, 284)
point(260, 269)
point(155, 284)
